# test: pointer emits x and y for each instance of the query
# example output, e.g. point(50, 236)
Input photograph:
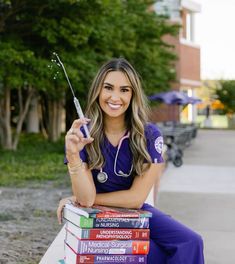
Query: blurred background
point(179, 46)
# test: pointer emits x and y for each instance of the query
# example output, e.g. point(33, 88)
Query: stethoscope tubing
point(120, 173)
point(102, 176)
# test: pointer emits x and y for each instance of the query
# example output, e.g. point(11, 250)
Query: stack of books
point(105, 235)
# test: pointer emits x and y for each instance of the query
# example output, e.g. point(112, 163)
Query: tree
point(85, 34)
point(23, 67)
point(226, 94)
point(11, 78)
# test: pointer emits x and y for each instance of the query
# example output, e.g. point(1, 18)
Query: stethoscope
point(102, 176)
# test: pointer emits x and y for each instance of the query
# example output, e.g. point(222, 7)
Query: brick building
point(188, 52)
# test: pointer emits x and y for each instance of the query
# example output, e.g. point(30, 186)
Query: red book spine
point(117, 215)
point(85, 259)
point(140, 247)
point(122, 234)
point(106, 234)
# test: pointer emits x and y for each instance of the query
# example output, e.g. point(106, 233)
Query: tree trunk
point(55, 109)
point(231, 121)
point(32, 125)
point(5, 119)
point(23, 110)
point(7, 139)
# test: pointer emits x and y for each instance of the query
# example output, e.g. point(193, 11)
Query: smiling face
point(115, 95)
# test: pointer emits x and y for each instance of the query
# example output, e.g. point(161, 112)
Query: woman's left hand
point(60, 208)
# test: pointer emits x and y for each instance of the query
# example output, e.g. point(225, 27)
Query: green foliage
point(35, 160)
point(85, 34)
point(226, 94)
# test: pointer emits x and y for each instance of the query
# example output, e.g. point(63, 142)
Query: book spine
point(116, 215)
point(121, 223)
point(78, 220)
point(84, 222)
point(111, 259)
point(110, 223)
point(112, 247)
point(107, 212)
point(72, 257)
point(111, 234)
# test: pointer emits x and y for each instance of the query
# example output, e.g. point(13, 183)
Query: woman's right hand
point(75, 140)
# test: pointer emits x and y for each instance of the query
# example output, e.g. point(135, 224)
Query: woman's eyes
point(108, 87)
point(123, 90)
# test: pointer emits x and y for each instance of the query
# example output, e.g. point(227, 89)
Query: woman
point(120, 162)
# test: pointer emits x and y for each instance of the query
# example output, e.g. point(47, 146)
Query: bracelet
point(74, 169)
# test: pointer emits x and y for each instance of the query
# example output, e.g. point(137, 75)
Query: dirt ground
point(28, 222)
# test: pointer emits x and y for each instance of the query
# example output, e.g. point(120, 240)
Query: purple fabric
point(175, 97)
point(171, 242)
point(124, 160)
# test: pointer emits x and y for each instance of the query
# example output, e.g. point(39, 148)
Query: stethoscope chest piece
point(102, 177)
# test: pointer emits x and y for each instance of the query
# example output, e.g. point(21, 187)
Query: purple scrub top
point(124, 160)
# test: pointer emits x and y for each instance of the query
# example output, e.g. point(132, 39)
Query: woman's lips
point(114, 106)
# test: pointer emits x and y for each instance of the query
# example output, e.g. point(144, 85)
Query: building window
point(169, 8)
point(189, 27)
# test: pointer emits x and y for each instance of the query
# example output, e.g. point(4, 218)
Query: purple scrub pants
point(172, 242)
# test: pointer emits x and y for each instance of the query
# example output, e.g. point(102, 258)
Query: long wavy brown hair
point(136, 117)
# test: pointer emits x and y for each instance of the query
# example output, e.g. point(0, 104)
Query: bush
point(226, 94)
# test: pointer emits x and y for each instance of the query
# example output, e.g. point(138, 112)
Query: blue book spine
point(121, 222)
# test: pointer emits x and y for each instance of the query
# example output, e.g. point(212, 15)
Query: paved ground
point(28, 222)
point(201, 193)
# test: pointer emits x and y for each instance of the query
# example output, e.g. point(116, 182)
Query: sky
point(214, 32)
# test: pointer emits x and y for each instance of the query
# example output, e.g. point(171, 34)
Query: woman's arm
point(137, 194)
point(81, 178)
point(83, 186)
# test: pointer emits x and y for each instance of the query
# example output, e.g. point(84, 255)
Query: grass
point(35, 161)
point(38, 160)
point(6, 217)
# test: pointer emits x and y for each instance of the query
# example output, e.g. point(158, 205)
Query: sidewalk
point(201, 193)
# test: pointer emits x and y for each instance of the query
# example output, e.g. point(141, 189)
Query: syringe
point(75, 100)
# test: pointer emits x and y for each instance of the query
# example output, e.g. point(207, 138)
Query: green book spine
point(86, 222)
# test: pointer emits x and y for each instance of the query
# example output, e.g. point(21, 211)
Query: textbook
point(83, 222)
point(73, 258)
point(98, 211)
point(114, 247)
point(107, 233)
